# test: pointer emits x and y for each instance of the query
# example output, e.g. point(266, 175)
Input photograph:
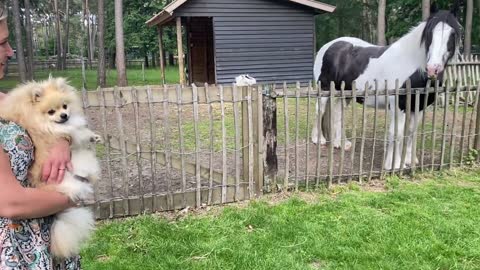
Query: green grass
point(424, 224)
point(134, 77)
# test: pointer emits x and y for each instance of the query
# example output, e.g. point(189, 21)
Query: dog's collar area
point(81, 179)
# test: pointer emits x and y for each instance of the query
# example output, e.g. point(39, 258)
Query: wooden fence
point(466, 71)
point(171, 147)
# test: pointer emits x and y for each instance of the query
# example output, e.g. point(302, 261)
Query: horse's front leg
point(412, 133)
point(317, 133)
point(395, 143)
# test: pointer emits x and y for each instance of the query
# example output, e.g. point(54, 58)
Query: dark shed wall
point(272, 40)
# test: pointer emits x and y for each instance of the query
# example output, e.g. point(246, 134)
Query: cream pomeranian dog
point(50, 110)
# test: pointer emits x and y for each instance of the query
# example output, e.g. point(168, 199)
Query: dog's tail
point(70, 230)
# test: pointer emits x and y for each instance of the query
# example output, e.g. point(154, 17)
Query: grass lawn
point(134, 77)
point(427, 223)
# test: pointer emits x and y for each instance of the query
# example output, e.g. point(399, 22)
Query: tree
point(18, 41)
point(59, 37)
point(101, 78)
point(120, 49)
point(67, 33)
point(468, 28)
point(425, 9)
point(28, 33)
point(382, 4)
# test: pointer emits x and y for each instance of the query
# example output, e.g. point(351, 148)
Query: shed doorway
point(201, 63)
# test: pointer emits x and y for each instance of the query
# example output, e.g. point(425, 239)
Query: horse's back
point(344, 59)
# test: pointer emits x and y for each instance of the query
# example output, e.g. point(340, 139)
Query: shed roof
point(167, 13)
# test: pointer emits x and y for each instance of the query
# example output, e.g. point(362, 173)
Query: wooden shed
point(271, 40)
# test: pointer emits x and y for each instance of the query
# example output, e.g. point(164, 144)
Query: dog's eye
point(51, 112)
point(65, 106)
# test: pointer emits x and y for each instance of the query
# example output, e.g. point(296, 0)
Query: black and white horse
point(421, 54)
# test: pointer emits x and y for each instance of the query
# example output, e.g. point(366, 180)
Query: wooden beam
point(181, 65)
point(162, 57)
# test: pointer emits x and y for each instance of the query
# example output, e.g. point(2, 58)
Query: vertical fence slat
point(135, 105)
point(297, 105)
point(343, 137)
point(287, 136)
point(182, 144)
point(396, 138)
point(224, 148)
point(374, 140)
point(319, 127)
point(250, 143)
point(354, 129)
point(464, 121)
point(406, 128)
point(414, 135)
point(331, 135)
point(211, 148)
point(103, 110)
point(444, 128)
point(259, 149)
point(236, 116)
point(477, 122)
point(167, 146)
point(434, 128)
point(454, 124)
point(425, 103)
point(118, 104)
point(364, 131)
point(471, 128)
point(307, 132)
point(198, 198)
point(385, 136)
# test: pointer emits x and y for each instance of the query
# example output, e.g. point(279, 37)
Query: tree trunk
point(67, 33)
point(59, 37)
point(468, 29)
point(18, 41)
point(120, 49)
point(89, 46)
point(101, 78)
point(47, 53)
point(381, 23)
point(425, 9)
point(28, 32)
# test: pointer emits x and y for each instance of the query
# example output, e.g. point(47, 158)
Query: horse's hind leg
point(337, 126)
point(317, 133)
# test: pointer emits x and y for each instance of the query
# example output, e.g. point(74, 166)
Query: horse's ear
point(433, 8)
point(455, 9)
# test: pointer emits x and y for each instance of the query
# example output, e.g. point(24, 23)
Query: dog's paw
point(76, 190)
point(96, 139)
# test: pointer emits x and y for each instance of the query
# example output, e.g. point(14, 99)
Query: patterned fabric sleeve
point(24, 244)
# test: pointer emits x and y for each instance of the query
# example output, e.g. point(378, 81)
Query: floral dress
point(24, 244)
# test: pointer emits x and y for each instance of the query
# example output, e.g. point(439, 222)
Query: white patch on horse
point(438, 52)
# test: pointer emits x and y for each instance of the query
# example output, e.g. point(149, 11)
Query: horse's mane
point(447, 17)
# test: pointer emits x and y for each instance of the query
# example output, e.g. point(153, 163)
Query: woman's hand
point(2, 96)
point(58, 161)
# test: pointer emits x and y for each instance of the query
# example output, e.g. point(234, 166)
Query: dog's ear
point(37, 94)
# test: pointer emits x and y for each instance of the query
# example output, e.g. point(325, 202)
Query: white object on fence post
point(245, 80)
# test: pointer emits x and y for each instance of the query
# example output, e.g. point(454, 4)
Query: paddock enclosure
point(170, 147)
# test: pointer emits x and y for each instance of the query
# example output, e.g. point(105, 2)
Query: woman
point(25, 212)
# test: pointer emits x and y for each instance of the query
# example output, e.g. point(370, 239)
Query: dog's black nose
point(63, 116)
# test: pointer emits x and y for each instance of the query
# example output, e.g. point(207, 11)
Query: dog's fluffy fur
point(50, 110)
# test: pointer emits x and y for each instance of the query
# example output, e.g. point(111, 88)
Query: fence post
point(477, 123)
point(270, 138)
point(245, 95)
point(258, 141)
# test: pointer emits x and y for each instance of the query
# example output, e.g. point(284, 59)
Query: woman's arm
point(17, 202)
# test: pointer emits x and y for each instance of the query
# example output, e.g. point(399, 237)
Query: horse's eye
point(51, 112)
point(65, 106)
